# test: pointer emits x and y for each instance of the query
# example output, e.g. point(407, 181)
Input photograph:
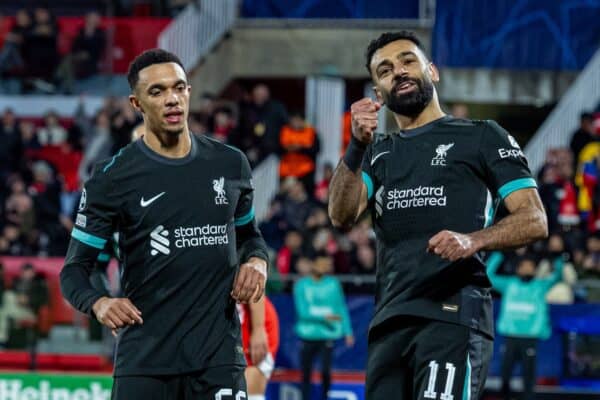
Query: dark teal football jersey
point(447, 175)
point(177, 221)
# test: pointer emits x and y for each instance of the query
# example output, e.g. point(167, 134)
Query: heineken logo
point(15, 389)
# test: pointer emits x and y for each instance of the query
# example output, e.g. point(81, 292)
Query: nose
point(400, 69)
point(172, 99)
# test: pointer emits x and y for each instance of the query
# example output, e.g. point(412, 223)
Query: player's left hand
point(258, 345)
point(452, 245)
point(250, 281)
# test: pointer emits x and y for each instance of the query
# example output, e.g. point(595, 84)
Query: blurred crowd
point(31, 52)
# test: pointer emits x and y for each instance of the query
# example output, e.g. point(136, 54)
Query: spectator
point(299, 146)
point(296, 206)
point(41, 49)
point(19, 235)
point(261, 121)
point(87, 50)
point(10, 144)
point(562, 291)
point(224, 123)
point(198, 125)
point(591, 262)
point(558, 192)
point(4, 310)
point(11, 55)
point(52, 133)
point(583, 135)
point(46, 192)
point(274, 226)
point(29, 139)
point(123, 123)
point(322, 188)
point(290, 252)
point(524, 317)
point(99, 147)
point(460, 110)
point(31, 291)
point(322, 318)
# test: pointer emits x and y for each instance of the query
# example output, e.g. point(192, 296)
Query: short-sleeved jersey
point(446, 175)
point(176, 220)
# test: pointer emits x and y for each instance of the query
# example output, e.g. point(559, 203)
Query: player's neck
point(432, 112)
point(169, 145)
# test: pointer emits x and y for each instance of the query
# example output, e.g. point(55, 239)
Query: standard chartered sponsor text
point(196, 236)
point(421, 196)
point(14, 389)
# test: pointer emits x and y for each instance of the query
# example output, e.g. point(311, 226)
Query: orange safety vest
point(292, 163)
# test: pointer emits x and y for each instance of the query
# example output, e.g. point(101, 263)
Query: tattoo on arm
point(347, 197)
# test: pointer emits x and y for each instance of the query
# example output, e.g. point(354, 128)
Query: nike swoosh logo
point(146, 203)
point(377, 156)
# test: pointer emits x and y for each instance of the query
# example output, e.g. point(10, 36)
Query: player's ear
point(433, 72)
point(378, 95)
point(135, 103)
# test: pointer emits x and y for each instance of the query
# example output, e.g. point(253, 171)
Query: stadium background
point(532, 65)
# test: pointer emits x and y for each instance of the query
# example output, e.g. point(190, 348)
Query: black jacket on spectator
point(11, 150)
point(40, 52)
point(93, 48)
point(259, 129)
point(36, 291)
point(578, 141)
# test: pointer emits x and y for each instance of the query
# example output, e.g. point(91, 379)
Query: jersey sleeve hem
point(89, 239)
point(369, 183)
point(515, 185)
point(245, 219)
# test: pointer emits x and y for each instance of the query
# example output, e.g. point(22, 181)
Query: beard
point(412, 103)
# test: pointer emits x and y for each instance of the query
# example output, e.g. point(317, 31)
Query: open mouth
point(405, 87)
point(174, 117)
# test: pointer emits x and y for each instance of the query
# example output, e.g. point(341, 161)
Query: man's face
point(162, 94)
point(403, 77)
point(8, 118)
point(260, 95)
point(92, 20)
point(297, 123)
point(322, 265)
point(526, 268)
point(587, 124)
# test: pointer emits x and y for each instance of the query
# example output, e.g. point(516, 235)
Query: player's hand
point(452, 245)
point(258, 345)
point(117, 312)
point(349, 341)
point(249, 284)
point(364, 119)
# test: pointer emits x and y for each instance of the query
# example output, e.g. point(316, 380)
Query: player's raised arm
point(348, 193)
point(250, 281)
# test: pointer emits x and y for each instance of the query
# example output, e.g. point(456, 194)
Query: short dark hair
point(527, 257)
point(146, 59)
point(386, 38)
point(586, 116)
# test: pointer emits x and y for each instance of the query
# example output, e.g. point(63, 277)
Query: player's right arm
point(348, 193)
point(93, 228)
